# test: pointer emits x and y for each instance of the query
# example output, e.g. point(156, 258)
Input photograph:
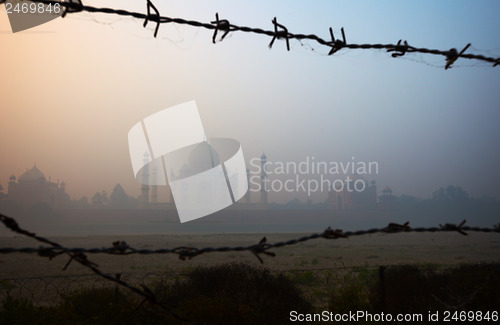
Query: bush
point(356, 291)
point(467, 287)
point(236, 293)
point(96, 306)
point(18, 311)
point(225, 294)
point(247, 294)
point(419, 289)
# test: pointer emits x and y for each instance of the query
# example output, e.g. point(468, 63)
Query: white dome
point(204, 154)
point(34, 174)
point(203, 157)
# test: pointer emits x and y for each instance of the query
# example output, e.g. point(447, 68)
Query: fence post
point(117, 286)
point(381, 275)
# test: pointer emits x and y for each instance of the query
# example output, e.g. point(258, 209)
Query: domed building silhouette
point(32, 187)
point(200, 158)
point(203, 157)
point(204, 188)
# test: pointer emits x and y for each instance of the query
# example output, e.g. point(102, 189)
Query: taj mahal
point(32, 187)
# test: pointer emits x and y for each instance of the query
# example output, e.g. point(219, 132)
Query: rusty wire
point(188, 252)
point(280, 32)
point(81, 258)
point(185, 252)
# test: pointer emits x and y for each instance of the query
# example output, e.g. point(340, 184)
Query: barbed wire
point(81, 258)
point(186, 252)
point(279, 32)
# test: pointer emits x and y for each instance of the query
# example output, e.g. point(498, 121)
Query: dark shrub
point(356, 290)
point(95, 306)
point(418, 289)
point(236, 294)
point(18, 311)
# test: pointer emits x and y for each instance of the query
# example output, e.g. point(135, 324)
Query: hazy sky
point(72, 89)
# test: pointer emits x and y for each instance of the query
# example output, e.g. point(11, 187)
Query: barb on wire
point(395, 227)
point(81, 258)
point(261, 249)
point(154, 17)
point(452, 56)
point(120, 246)
point(452, 227)
point(330, 233)
point(399, 49)
point(223, 25)
point(337, 44)
point(279, 34)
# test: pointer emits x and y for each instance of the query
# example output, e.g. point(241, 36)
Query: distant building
point(387, 200)
point(32, 187)
point(355, 194)
point(201, 158)
point(263, 178)
point(145, 183)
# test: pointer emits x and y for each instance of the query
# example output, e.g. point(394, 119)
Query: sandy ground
point(369, 250)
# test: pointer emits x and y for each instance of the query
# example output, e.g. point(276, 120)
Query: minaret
point(331, 197)
point(170, 193)
point(263, 178)
point(145, 182)
point(11, 189)
point(247, 194)
point(154, 193)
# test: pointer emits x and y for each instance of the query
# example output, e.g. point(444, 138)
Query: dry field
point(370, 250)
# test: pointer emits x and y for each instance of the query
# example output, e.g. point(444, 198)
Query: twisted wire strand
point(81, 258)
point(187, 252)
point(224, 25)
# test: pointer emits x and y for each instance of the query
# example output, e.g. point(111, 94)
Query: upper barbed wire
point(280, 32)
